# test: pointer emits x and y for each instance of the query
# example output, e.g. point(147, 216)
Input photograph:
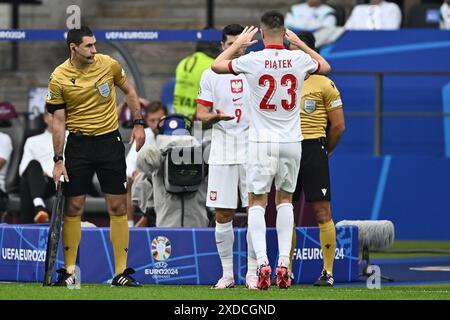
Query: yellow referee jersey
point(88, 95)
point(319, 95)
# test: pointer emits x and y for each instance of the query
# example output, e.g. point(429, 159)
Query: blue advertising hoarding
point(169, 255)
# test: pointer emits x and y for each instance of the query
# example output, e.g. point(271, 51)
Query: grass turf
point(420, 249)
point(33, 291)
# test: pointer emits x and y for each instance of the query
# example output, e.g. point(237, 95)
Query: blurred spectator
point(154, 111)
point(377, 15)
point(174, 191)
point(6, 149)
point(188, 74)
point(317, 17)
point(7, 114)
point(124, 112)
point(311, 15)
point(36, 171)
point(445, 15)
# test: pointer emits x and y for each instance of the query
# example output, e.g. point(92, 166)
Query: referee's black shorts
point(314, 174)
point(103, 154)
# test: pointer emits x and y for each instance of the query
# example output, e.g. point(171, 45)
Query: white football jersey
point(275, 77)
point(230, 94)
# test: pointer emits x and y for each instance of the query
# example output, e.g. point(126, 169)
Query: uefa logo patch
point(104, 90)
point(237, 86)
point(213, 195)
point(161, 248)
point(310, 106)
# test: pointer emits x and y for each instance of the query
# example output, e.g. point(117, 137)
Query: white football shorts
point(269, 160)
point(223, 184)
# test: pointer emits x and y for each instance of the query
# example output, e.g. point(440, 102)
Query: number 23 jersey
point(275, 77)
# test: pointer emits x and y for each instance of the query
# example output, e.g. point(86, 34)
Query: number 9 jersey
point(275, 77)
point(230, 94)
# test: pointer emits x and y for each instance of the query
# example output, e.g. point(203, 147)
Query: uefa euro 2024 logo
point(161, 248)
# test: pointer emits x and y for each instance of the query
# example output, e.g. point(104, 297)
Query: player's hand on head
point(293, 38)
point(245, 38)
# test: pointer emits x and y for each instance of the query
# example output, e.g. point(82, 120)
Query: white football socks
point(224, 241)
point(285, 225)
point(251, 257)
point(257, 229)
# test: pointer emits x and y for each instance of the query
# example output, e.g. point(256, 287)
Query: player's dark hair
point(273, 20)
point(155, 106)
point(231, 30)
point(76, 35)
point(308, 38)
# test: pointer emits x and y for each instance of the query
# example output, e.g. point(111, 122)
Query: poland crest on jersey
point(237, 86)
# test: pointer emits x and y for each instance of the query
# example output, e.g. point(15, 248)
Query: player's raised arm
point(324, 66)
point(221, 64)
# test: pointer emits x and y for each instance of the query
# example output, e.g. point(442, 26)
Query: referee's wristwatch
point(139, 122)
point(58, 158)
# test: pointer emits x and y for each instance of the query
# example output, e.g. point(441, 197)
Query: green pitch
point(30, 291)
point(414, 249)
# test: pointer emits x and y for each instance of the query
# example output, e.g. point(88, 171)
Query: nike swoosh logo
point(220, 242)
point(234, 100)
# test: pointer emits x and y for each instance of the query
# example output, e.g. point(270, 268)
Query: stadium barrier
point(393, 83)
point(113, 35)
point(169, 255)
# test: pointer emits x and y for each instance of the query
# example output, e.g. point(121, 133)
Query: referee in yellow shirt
point(320, 107)
point(82, 98)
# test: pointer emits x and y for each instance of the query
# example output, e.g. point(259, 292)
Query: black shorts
point(314, 174)
point(104, 155)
